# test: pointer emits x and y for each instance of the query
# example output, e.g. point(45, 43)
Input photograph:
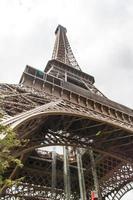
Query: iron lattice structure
point(62, 107)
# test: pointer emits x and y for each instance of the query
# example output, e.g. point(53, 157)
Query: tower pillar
point(96, 195)
point(81, 175)
point(53, 172)
point(67, 187)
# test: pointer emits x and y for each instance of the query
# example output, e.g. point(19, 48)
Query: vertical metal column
point(67, 186)
point(53, 172)
point(81, 175)
point(94, 173)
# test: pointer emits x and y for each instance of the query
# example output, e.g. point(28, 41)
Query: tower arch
point(62, 106)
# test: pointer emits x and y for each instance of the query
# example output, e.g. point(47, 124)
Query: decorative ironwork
point(62, 107)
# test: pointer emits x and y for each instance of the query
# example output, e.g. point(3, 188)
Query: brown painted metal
point(62, 107)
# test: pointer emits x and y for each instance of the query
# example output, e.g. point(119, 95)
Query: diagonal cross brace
point(14, 121)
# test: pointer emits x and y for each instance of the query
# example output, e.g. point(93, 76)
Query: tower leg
point(94, 173)
point(53, 172)
point(67, 187)
point(81, 175)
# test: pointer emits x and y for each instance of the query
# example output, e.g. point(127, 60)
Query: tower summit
point(62, 50)
point(63, 68)
point(60, 106)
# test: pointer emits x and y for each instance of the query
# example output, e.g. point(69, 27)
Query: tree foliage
point(8, 141)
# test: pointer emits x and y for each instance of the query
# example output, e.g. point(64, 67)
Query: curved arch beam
point(59, 108)
point(123, 190)
point(66, 108)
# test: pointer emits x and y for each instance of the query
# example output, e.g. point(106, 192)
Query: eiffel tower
point(62, 107)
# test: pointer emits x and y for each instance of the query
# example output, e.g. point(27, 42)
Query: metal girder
point(58, 107)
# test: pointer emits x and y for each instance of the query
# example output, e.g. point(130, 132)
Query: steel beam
point(94, 173)
point(53, 172)
point(67, 186)
point(81, 175)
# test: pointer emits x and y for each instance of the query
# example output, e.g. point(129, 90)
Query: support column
point(53, 172)
point(67, 186)
point(94, 173)
point(81, 175)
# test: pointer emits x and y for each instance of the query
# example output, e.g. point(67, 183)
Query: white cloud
point(100, 33)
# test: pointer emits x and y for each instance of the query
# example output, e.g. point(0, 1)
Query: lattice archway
point(77, 133)
point(123, 191)
point(61, 106)
point(88, 129)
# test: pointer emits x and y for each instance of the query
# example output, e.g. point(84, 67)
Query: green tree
point(8, 141)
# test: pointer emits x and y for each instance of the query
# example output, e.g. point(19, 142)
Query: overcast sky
point(100, 33)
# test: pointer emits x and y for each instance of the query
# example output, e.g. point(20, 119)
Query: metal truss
point(62, 50)
point(62, 107)
point(76, 127)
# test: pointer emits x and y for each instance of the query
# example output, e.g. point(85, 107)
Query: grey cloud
point(34, 49)
point(122, 57)
point(112, 9)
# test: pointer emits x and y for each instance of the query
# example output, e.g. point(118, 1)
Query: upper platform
point(64, 78)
